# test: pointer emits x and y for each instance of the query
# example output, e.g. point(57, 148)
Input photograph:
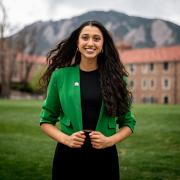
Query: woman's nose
point(90, 42)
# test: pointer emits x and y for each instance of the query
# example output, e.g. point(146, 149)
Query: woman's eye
point(96, 39)
point(85, 38)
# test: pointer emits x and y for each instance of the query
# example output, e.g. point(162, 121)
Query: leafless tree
point(10, 47)
point(5, 86)
point(27, 45)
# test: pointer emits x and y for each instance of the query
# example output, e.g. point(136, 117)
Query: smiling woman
point(87, 94)
point(90, 43)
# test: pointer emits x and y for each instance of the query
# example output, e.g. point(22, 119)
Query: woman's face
point(90, 42)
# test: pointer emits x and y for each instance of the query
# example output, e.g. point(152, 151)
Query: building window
point(149, 99)
point(15, 73)
point(144, 68)
point(166, 66)
point(166, 100)
point(151, 67)
point(144, 84)
point(152, 84)
point(144, 100)
point(131, 84)
point(153, 100)
point(132, 68)
point(166, 83)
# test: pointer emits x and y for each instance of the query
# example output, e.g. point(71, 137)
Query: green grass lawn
point(152, 152)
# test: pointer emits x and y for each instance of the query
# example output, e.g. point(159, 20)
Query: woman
point(87, 94)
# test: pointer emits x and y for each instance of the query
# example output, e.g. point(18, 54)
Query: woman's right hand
point(76, 140)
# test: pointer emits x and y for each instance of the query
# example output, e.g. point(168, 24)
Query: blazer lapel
point(77, 98)
point(98, 126)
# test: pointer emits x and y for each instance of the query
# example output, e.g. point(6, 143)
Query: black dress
point(87, 163)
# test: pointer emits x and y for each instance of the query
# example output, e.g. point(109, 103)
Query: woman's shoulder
point(59, 74)
point(64, 69)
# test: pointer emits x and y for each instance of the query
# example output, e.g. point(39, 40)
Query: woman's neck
point(88, 65)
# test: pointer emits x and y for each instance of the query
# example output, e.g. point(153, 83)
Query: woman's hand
point(76, 140)
point(99, 141)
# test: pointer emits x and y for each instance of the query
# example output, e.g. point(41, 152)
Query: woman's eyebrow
point(93, 34)
point(98, 35)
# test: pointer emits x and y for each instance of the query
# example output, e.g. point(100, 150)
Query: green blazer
point(63, 104)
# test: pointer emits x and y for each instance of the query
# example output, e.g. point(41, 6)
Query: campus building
point(154, 74)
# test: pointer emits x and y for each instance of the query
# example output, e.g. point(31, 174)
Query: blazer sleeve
point(127, 120)
point(51, 107)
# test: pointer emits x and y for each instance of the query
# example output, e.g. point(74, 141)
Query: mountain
point(137, 31)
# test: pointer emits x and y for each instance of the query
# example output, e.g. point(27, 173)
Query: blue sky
point(22, 12)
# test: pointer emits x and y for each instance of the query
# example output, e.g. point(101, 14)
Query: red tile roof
point(145, 55)
point(34, 58)
point(148, 55)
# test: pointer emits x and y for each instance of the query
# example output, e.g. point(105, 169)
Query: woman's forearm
point(54, 133)
point(121, 135)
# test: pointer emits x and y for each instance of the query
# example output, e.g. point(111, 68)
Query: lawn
point(151, 153)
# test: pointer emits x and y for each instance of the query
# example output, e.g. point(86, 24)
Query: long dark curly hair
point(115, 93)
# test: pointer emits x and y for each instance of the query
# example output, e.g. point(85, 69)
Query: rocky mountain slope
point(136, 31)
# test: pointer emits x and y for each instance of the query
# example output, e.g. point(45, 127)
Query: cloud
point(166, 9)
point(22, 12)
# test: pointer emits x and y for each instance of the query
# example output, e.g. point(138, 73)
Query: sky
point(24, 12)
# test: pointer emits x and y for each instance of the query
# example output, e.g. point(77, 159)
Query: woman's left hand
point(99, 141)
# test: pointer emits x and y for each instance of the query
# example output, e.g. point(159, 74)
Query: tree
point(10, 47)
point(27, 45)
point(5, 87)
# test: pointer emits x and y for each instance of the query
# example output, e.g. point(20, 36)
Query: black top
point(91, 98)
